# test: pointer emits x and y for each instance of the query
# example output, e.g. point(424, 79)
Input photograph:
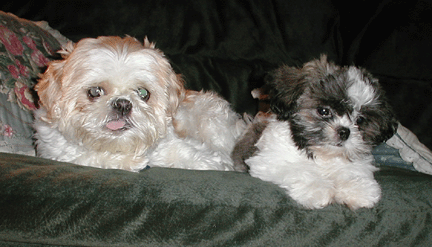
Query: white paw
point(358, 193)
point(313, 195)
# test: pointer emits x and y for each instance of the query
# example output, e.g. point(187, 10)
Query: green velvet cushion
point(52, 203)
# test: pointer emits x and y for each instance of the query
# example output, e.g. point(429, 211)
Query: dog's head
point(110, 93)
point(332, 110)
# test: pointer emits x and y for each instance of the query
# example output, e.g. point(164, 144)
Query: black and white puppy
point(317, 141)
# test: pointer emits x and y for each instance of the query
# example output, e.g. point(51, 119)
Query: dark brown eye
point(324, 112)
point(360, 120)
point(95, 92)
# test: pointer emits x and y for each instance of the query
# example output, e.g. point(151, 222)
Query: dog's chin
point(123, 140)
point(350, 150)
point(118, 135)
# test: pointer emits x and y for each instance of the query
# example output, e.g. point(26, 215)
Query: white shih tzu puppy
point(116, 103)
point(317, 142)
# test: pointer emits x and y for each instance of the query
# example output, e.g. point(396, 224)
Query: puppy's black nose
point(343, 133)
point(122, 106)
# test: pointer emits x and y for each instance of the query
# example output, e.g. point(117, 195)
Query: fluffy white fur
point(116, 103)
point(317, 141)
point(314, 183)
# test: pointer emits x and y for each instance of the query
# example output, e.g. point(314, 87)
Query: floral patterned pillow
point(25, 49)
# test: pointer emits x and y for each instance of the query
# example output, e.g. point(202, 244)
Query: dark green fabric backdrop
point(228, 46)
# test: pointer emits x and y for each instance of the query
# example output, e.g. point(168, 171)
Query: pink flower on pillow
point(17, 71)
point(14, 71)
point(23, 70)
point(39, 58)
point(24, 96)
point(30, 43)
point(7, 131)
point(11, 41)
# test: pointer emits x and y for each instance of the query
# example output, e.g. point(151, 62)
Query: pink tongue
point(115, 125)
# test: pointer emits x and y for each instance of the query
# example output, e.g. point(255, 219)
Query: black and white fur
point(317, 144)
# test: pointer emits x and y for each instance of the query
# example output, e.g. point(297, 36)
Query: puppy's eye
point(324, 112)
point(360, 120)
point(144, 94)
point(95, 92)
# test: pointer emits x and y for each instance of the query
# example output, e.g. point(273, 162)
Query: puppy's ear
point(387, 130)
point(49, 90)
point(174, 83)
point(387, 123)
point(48, 87)
point(176, 92)
point(285, 85)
